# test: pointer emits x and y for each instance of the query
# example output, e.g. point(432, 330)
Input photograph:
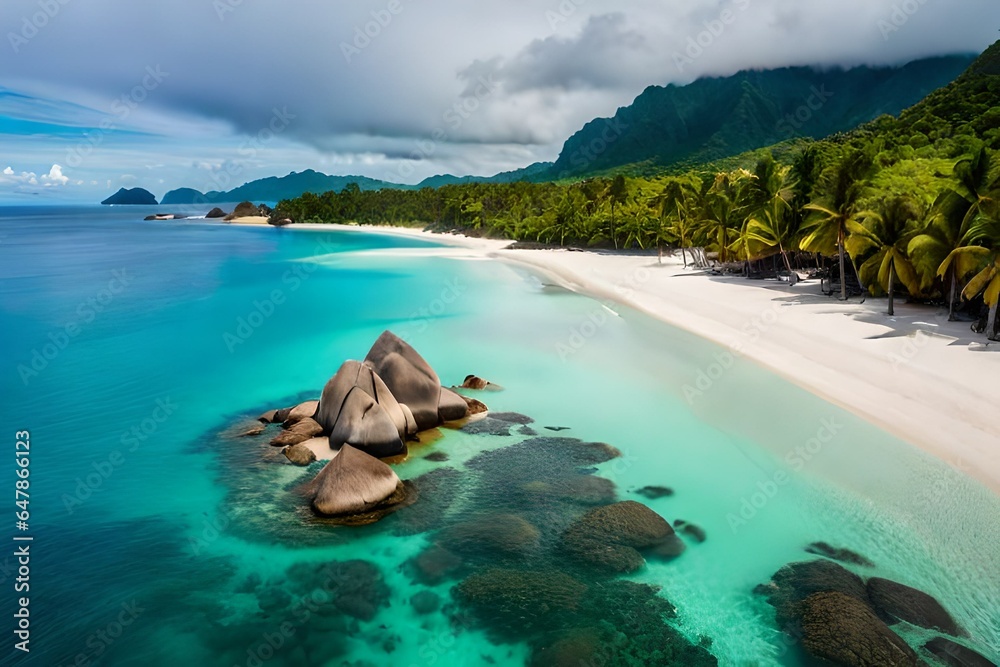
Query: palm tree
point(888, 233)
point(984, 249)
point(838, 212)
point(953, 214)
point(772, 223)
point(676, 204)
point(617, 193)
point(720, 213)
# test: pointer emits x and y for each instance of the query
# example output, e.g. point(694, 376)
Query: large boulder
point(410, 379)
point(451, 406)
point(845, 631)
point(609, 538)
point(216, 213)
point(357, 408)
point(896, 602)
point(352, 483)
point(365, 425)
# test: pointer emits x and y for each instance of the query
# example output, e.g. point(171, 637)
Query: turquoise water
point(152, 338)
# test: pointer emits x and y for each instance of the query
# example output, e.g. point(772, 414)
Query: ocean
point(131, 350)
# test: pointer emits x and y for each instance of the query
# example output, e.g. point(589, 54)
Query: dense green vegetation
point(913, 203)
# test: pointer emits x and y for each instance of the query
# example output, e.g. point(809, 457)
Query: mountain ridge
point(673, 127)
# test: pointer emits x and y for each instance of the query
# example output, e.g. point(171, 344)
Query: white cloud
point(8, 172)
point(55, 176)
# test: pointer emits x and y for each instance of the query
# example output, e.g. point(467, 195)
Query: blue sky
point(97, 95)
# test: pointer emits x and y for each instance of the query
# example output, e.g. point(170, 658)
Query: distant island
point(133, 197)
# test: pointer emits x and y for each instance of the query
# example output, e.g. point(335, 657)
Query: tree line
point(925, 226)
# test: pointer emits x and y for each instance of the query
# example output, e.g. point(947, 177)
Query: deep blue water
point(129, 345)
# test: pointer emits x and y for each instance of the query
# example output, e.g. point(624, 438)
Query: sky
point(209, 94)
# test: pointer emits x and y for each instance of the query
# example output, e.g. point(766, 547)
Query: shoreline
point(915, 375)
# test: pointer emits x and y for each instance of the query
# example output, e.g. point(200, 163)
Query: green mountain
point(276, 188)
point(131, 197)
point(968, 106)
point(536, 172)
point(297, 184)
point(713, 118)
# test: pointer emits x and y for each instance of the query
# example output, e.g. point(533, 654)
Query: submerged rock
point(487, 426)
point(512, 417)
point(355, 587)
point(425, 602)
point(794, 582)
point(836, 553)
point(572, 649)
point(896, 602)
point(845, 631)
point(654, 492)
point(491, 535)
point(512, 603)
point(690, 529)
point(435, 564)
point(609, 538)
point(437, 457)
point(352, 483)
point(954, 654)
point(250, 430)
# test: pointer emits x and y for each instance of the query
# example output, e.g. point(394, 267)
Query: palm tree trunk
point(991, 322)
point(953, 294)
point(784, 255)
point(684, 257)
point(892, 284)
point(843, 276)
point(614, 238)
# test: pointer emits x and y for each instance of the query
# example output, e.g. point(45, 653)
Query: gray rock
point(408, 376)
point(363, 424)
point(301, 411)
point(299, 454)
point(357, 408)
point(451, 406)
point(352, 483)
point(298, 432)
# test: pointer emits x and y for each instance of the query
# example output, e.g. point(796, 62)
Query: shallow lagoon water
point(186, 528)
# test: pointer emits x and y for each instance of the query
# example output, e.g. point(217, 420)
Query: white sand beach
point(916, 375)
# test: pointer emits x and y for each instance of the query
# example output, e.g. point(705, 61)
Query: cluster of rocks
point(367, 411)
point(839, 617)
point(248, 209)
